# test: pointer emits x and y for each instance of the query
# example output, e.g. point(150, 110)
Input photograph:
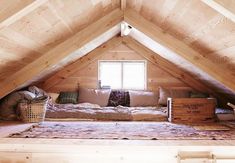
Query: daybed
point(97, 104)
point(118, 113)
point(108, 105)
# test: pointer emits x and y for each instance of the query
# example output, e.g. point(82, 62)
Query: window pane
point(134, 75)
point(110, 74)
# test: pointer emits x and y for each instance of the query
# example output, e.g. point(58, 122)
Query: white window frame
point(126, 61)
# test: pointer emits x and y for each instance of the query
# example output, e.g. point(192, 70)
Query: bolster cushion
point(94, 96)
point(143, 98)
point(173, 93)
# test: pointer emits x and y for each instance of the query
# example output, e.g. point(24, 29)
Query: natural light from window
point(123, 74)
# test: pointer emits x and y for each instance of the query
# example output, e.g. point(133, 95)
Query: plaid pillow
point(68, 97)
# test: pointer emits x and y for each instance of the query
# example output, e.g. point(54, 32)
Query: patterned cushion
point(68, 97)
point(119, 97)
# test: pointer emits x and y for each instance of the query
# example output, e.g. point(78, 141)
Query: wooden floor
point(106, 151)
point(34, 150)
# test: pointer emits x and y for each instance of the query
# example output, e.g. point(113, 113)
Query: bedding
point(53, 96)
point(88, 105)
point(149, 113)
point(9, 103)
point(37, 91)
point(118, 113)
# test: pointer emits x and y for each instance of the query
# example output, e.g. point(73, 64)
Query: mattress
point(225, 114)
point(94, 112)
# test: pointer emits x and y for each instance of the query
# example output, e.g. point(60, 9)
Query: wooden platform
point(101, 151)
point(104, 151)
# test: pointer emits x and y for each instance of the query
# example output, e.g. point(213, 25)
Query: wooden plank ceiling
point(62, 50)
point(31, 28)
point(196, 24)
point(200, 27)
point(42, 29)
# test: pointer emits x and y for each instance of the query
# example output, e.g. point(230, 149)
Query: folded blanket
point(118, 97)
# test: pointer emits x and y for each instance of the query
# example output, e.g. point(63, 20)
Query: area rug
point(122, 130)
point(212, 127)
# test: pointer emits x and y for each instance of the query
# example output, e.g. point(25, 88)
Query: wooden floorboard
point(106, 151)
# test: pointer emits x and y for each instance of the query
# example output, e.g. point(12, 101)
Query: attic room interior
point(120, 80)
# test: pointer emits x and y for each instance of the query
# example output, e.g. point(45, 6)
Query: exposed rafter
point(81, 63)
point(60, 51)
point(170, 68)
point(221, 74)
point(123, 4)
point(226, 8)
point(165, 64)
point(20, 10)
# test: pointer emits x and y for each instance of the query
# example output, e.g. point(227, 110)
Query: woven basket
point(33, 111)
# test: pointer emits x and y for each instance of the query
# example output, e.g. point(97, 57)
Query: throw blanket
point(118, 97)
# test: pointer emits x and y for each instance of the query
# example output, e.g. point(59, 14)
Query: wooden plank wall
point(88, 76)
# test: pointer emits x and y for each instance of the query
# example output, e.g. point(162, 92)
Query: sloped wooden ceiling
point(38, 29)
point(46, 26)
point(37, 33)
point(195, 23)
point(198, 26)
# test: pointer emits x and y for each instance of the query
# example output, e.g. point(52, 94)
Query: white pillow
point(143, 98)
point(94, 96)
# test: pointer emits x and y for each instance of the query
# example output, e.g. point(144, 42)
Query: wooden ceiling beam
point(226, 8)
point(165, 65)
point(171, 68)
point(221, 73)
point(123, 4)
point(20, 10)
point(59, 52)
point(81, 63)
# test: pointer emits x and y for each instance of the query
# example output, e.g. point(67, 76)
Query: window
point(123, 74)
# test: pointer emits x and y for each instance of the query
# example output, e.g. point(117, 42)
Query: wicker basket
point(33, 111)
